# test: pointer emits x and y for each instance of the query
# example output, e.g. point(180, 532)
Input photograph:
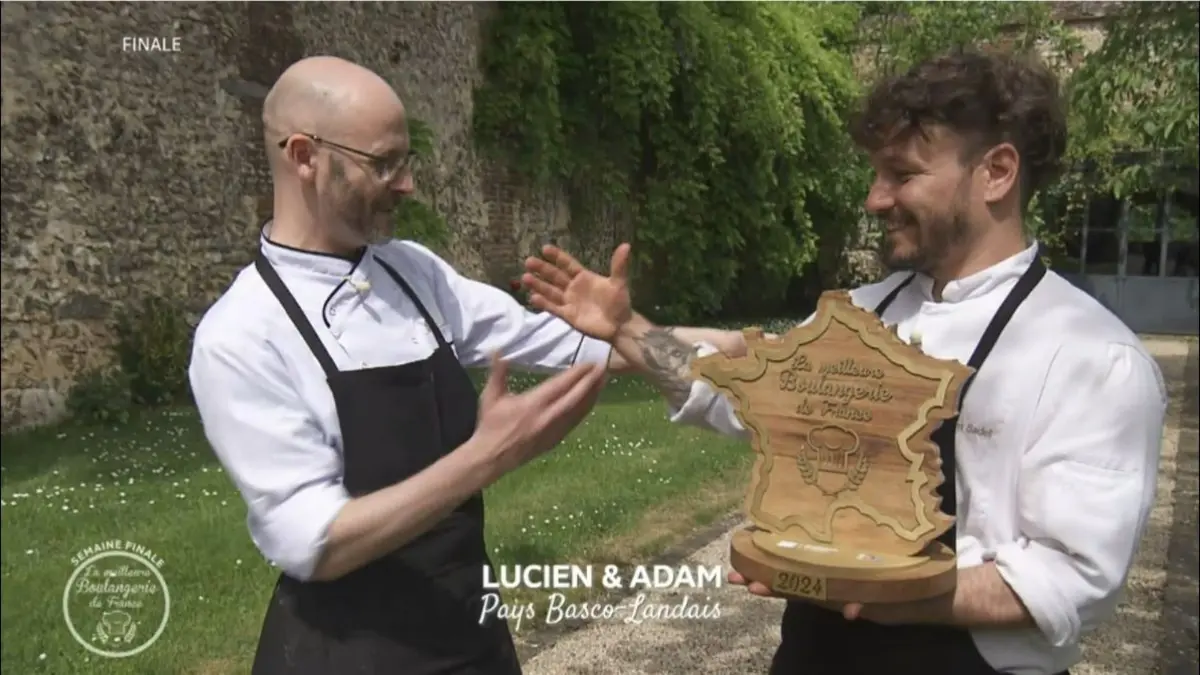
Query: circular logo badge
point(116, 603)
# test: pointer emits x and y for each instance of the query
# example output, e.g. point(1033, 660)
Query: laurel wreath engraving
point(859, 473)
point(807, 471)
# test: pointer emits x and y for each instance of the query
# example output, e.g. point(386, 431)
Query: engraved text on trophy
point(841, 413)
point(841, 427)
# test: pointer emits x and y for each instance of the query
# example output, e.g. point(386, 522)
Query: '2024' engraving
point(799, 585)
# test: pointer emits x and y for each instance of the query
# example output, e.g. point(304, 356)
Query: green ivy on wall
point(716, 127)
point(416, 220)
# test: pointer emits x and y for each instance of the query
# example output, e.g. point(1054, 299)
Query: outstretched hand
point(520, 427)
point(595, 305)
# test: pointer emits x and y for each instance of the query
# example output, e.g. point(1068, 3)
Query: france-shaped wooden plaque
point(843, 498)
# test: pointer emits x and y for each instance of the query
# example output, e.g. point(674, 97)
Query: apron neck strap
point(271, 277)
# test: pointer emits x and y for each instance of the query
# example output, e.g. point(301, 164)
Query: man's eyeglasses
point(386, 168)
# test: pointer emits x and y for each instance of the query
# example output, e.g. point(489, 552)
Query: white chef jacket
point(1057, 447)
point(263, 398)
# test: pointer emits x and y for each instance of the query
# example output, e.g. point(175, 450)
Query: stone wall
point(126, 171)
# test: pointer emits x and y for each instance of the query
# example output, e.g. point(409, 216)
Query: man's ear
point(1001, 172)
point(301, 152)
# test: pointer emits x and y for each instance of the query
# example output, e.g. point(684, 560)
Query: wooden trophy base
point(791, 568)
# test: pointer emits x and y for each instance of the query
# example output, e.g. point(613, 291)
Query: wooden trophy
point(843, 496)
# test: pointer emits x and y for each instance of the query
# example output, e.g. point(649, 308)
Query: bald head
point(337, 140)
point(324, 95)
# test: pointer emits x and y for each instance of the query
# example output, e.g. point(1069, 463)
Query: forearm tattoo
point(668, 363)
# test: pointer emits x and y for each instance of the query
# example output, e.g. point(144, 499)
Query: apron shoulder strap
point(946, 435)
point(891, 296)
point(412, 295)
point(991, 335)
point(292, 308)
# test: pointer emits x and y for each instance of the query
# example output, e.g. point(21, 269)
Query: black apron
point(415, 611)
point(816, 641)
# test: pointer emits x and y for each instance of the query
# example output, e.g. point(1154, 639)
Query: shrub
point(154, 339)
point(101, 396)
point(153, 345)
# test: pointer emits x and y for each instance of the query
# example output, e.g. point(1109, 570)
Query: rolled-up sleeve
point(708, 408)
point(1086, 487)
point(272, 449)
point(487, 320)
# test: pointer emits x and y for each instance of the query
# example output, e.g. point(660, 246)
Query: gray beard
point(377, 226)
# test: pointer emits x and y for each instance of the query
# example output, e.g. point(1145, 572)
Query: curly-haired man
point(1050, 467)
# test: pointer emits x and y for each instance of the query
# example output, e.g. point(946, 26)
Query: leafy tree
point(1139, 94)
point(1132, 103)
point(896, 35)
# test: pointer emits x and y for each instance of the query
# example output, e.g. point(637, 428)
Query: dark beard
point(935, 239)
point(934, 242)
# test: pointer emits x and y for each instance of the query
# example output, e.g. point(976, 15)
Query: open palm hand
point(595, 305)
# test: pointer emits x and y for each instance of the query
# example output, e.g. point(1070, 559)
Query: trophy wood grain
point(936, 575)
point(840, 412)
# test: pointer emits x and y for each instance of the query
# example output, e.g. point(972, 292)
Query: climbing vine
point(715, 128)
point(417, 220)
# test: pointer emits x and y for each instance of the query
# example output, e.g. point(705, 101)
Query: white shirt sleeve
point(708, 408)
point(272, 449)
point(486, 319)
point(1087, 486)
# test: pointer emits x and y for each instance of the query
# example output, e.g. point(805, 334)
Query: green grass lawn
point(626, 484)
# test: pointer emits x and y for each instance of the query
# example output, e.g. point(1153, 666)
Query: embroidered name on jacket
point(976, 429)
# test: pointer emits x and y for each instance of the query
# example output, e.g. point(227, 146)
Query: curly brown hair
point(986, 98)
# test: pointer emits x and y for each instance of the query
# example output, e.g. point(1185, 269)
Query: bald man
point(331, 380)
